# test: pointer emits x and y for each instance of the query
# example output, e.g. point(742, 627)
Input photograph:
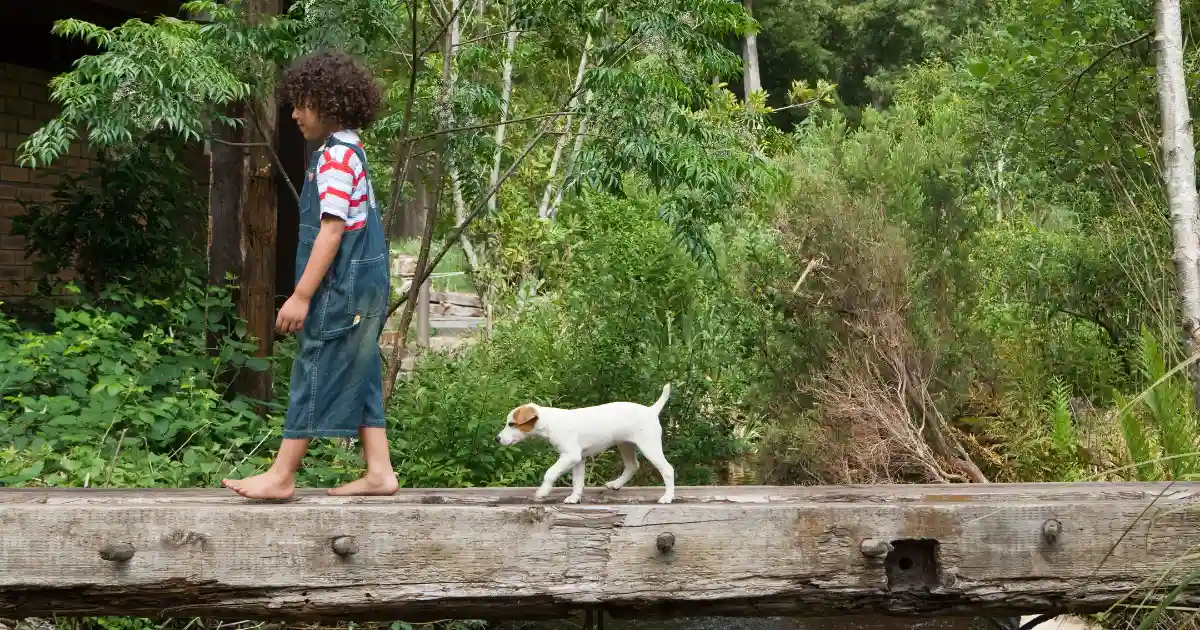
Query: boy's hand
point(291, 316)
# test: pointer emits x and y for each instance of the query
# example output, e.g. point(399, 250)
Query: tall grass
point(1159, 426)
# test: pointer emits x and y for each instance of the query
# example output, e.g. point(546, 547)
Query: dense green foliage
point(955, 267)
point(120, 221)
point(130, 376)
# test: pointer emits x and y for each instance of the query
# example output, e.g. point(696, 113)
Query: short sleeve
point(338, 172)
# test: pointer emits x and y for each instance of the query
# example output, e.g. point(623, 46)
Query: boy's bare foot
point(371, 485)
point(269, 485)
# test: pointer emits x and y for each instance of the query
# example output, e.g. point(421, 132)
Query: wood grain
point(493, 553)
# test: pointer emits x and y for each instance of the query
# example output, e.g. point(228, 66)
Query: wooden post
point(415, 220)
point(243, 202)
point(915, 550)
point(260, 211)
point(224, 203)
point(423, 314)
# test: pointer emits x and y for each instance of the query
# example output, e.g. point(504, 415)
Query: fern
point(1137, 442)
point(1170, 412)
point(1062, 427)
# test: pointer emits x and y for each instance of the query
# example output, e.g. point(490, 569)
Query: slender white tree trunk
point(1179, 160)
point(752, 78)
point(544, 206)
point(575, 151)
point(460, 206)
point(505, 97)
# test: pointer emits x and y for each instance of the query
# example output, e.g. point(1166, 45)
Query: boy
point(343, 284)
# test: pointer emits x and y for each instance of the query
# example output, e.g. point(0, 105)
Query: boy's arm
point(338, 171)
point(291, 316)
point(324, 250)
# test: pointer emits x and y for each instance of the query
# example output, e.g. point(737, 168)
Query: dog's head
point(519, 424)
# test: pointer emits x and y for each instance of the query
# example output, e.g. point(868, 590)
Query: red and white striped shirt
point(342, 183)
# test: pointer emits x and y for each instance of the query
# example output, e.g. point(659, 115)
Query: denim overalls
point(337, 377)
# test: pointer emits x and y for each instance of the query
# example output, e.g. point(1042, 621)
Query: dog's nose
point(497, 439)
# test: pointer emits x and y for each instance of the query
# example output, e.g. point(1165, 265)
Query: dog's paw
point(613, 485)
point(666, 499)
point(541, 493)
point(574, 498)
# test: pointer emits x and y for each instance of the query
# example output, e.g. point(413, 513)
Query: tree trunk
point(419, 274)
point(256, 303)
point(260, 210)
point(460, 205)
point(751, 77)
point(572, 162)
point(544, 206)
point(224, 202)
point(1179, 161)
point(243, 201)
point(505, 97)
point(243, 209)
point(224, 215)
point(479, 15)
point(400, 220)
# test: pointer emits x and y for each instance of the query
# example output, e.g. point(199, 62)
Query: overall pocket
point(357, 291)
point(368, 286)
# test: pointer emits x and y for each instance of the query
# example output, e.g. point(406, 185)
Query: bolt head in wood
point(345, 546)
point(873, 548)
point(118, 552)
point(665, 542)
point(1051, 530)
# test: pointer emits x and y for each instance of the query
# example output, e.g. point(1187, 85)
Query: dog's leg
point(565, 462)
point(576, 484)
point(629, 454)
point(651, 448)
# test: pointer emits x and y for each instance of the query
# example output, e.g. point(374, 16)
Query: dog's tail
point(658, 405)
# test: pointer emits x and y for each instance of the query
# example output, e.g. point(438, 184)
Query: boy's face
point(310, 124)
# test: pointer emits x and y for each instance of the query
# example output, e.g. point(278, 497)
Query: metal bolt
point(118, 552)
point(665, 542)
point(873, 548)
point(1051, 530)
point(345, 546)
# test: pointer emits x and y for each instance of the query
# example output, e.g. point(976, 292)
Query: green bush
point(120, 221)
point(123, 390)
point(621, 311)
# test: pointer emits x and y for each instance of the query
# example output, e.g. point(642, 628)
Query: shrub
point(621, 311)
point(120, 221)
point(126, 390)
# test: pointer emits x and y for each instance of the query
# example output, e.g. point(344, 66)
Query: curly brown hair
point(336, 86)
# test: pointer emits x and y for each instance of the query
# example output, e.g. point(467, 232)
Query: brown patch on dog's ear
point(524, 418)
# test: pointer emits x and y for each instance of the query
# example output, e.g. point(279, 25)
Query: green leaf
point(258, 364)
point(978, 68)
point(25, 475)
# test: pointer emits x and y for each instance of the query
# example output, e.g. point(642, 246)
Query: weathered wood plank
point(428, 554)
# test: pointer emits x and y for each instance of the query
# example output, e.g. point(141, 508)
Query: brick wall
point(25, 106)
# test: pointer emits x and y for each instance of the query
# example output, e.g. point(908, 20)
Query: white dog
point(586, 432)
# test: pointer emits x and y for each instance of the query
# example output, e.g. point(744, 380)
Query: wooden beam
point(994, 549)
